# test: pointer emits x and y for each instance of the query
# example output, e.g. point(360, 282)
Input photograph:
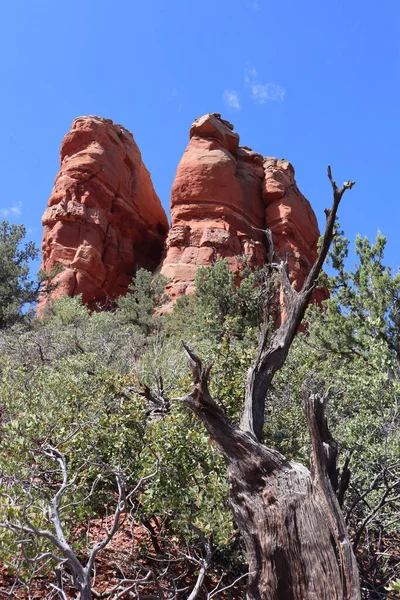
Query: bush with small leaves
point(17, 290)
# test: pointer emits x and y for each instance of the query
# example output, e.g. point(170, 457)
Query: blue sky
point(313, 81)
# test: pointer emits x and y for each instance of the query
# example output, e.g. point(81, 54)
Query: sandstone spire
point(217, 209)
point(104, 218)
point(222, 197)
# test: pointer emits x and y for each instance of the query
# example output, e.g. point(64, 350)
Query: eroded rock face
point(104, 219)
point(217, 209)
point(289, 216)
point(222, 198)
point(292, 222)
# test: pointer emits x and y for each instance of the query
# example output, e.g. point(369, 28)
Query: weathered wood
point(273, 352)
point(291, 539)
point(295, 535)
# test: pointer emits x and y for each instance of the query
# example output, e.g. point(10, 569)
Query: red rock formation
point(290, 218)
point(216, 205)
point(104, 218)
point(222, 196)
point(292, 222)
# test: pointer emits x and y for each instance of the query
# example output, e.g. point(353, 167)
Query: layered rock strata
point(217, 209)
point(222, 197)
point(104, 219)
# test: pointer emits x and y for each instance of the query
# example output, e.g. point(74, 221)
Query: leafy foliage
point(144, 297)
point(16, 288)
point(75, 380)
point(351, 348)
point(223, 304)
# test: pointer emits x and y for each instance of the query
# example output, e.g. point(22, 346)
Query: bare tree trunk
point(294, 532)
point(293, 548)
point(85, 593)
point(295, 535)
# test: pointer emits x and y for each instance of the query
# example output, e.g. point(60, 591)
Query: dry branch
point(273, 353)
point(295, 535)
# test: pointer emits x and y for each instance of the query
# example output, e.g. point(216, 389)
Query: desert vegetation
point(126, 474)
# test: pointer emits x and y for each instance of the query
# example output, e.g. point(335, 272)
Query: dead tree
point(62, 553)
point(295, 535)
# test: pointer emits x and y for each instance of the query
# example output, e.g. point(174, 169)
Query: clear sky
point(312, 81)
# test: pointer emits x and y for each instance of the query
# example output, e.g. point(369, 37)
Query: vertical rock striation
point(104, 219)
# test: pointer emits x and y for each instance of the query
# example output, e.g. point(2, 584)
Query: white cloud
point(263, 92)
point(269, 91)
point(231, 99)
point(14, 210)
